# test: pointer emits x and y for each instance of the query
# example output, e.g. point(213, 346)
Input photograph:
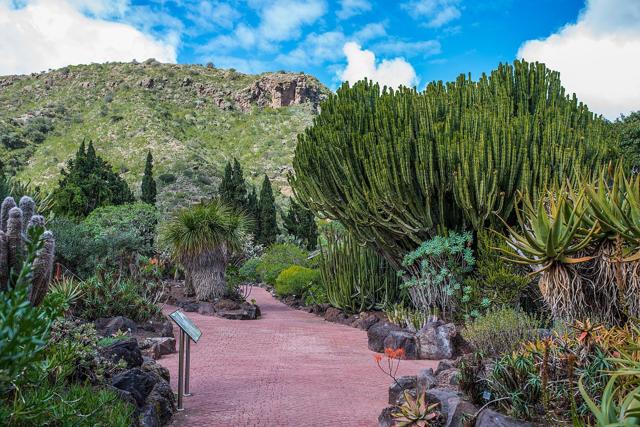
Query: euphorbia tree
point(202, 238)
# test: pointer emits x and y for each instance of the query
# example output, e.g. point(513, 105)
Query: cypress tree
point(239, 193)
point(253, 211)
point(148, 187)
point(88, 183)
point(300, 223)
point(268, 231)
point(226, 186)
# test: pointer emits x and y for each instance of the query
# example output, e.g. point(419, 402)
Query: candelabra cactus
point(16, 221)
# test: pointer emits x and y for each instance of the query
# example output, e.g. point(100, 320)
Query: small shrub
point(277, 258)
point(108, 297)
point(249, 270)
point(76, 249)
point(316, 293)
point(501, 331)
point(295, 280)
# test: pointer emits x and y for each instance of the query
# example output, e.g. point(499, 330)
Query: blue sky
point(595, 44)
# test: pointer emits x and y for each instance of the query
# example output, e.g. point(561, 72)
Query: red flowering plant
point(393, 358)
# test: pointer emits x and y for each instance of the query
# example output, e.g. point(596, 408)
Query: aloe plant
point(617, 409)
point(553, 237)
point(415, 412)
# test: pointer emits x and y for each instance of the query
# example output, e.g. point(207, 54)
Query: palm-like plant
point(201, 238)
point(415, 412)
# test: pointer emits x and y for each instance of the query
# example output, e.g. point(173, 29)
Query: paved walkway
point(289, 368)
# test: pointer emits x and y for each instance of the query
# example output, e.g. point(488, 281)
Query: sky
point(595, 44)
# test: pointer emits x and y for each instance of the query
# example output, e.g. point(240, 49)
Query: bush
point(76, 249)
point(108, 297)
point(295, 280)
point(277, 258)
point(501, 331)
point(249, 270)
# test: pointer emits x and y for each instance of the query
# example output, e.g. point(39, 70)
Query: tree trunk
point(207, 274)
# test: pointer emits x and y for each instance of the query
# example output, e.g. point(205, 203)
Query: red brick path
point(289, 368)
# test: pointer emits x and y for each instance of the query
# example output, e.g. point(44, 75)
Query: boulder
point(245, 312)
point(159, 406)
point(126, 350)
point(436, 340)
point(386, 417)
point(227, 304)
point(117, 324)
point(426, 380)
point(156, 369)
point(377, 334)
point(165, 345)
point(365, 322)
point(136, 382)
point(397, 388)
point(163, 328)
point(206, 308)
point(454, 409)
point(151, 352)
point(443, 365)
point(335, 315)
point(190, 306)
point(404, 340)
point(491, 418)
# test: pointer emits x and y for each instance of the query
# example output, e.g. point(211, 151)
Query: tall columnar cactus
point(399, 166)
point(16, 221)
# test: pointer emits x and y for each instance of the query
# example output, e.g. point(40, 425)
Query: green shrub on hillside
point(277, 258)
point(249, 270)
point(295, 280)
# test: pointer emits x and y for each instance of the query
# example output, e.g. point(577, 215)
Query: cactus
point(397, 167)
point(16, 223)
point(7, 204)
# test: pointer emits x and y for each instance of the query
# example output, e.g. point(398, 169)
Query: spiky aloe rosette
point(16, 221)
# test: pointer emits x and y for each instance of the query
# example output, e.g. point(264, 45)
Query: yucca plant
point(415, 412)
point(552, 238)
point(201, 238)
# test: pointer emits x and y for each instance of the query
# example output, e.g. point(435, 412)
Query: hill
point(193, 118)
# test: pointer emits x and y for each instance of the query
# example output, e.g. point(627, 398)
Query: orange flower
point(377, 358)
point(394, 354)
point(153, 261)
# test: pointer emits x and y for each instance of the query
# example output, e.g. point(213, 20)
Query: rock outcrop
point(282, 90)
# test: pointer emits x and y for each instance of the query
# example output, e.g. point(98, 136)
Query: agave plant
point(553, 237)
point(201, 238)
point(415, 412)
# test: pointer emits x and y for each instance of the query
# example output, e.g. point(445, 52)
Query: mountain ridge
point(193, 118)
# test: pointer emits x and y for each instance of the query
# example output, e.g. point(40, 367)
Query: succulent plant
point(15, 225)
point(416, 412)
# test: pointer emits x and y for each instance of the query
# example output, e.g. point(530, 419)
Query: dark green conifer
point(148, 187)
point(300, 223)
point(239, 193)
point(253, 211)
point(268, 231)
point(226, 185)
point(87, 183)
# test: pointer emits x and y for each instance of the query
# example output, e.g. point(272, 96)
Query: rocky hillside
point(193, 118)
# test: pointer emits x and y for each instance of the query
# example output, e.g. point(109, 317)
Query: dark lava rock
point(190, 306)
point(165, 345)
point(136, 382)
point(245, 312)
point(113, 325)
point(159, 406)
point(126, 350)
point(491, 418)
point(335, 315)
point(426, 380)
point(436, 340)
point(156, 369)
point(365, 322)
point(206, 308)
point(377, 333)
point(227, 304)
point(443, 365)
point(386, 417)
point(404, 340)
point(397, 388)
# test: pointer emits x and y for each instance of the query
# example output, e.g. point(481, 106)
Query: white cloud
point(350, 8)
point(598, 57)
point(370, 31)
point(394, 47)
point(280, 20)
point(361, 63)
point(101, 8)
point(52, 33)
point(436, 12)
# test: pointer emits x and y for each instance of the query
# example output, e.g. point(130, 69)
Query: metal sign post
point(188, 332)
